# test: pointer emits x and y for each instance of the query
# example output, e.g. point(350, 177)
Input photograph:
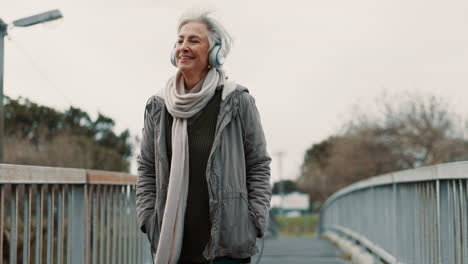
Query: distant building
point(293, 204)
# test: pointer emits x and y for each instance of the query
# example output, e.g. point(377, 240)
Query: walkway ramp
point(300, 251)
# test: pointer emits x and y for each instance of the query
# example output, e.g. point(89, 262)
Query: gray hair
point(218, 33)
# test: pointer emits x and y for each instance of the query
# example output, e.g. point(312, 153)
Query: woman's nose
point(183, 46)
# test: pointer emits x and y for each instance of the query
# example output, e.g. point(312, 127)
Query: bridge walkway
point(287, 250)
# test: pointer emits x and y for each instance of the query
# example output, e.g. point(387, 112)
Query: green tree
point(289, 186)
point(40, 135)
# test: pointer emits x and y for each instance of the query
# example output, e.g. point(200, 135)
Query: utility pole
point(279, 157)
point(23, 22)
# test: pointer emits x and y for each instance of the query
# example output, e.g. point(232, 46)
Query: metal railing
point(413, 216)
point(76, 216)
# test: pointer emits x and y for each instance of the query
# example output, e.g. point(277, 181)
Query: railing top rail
point(109, 177)
point(454, 170)
point(22, 174)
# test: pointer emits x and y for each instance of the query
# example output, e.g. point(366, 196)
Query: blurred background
point(346, 89)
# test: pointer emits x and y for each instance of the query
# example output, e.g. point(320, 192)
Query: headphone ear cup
point(173, 57)
point(215, 58)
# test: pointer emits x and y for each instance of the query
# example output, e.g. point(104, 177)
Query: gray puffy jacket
point(237, 174)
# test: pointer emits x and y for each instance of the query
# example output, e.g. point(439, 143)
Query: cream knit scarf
point(181, 106)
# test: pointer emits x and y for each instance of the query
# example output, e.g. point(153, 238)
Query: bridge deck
point(300, 251)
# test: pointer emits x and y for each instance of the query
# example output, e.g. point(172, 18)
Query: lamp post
point(23, 22)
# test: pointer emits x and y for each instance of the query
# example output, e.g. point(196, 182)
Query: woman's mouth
point(184, 59)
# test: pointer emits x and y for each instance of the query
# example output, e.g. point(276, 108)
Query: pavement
point(287, 250)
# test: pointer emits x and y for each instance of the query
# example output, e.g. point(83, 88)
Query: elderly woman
point(203, 189)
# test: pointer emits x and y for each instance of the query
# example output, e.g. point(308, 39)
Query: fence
point(413, 216)
point(76, 216)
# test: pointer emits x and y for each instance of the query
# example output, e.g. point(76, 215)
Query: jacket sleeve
point(146, 181)
point(257, 163)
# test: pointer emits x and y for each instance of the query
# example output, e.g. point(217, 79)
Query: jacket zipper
point(210, 243)
point(222, 124)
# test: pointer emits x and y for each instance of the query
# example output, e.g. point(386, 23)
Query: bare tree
point(413, 131)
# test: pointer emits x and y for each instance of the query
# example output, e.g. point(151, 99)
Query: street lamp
point(23, 22)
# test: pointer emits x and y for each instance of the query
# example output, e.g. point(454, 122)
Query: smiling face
point(192, 48)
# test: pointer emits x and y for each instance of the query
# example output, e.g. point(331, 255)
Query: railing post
point(61, 225)
point(39, 222)
point(27, 223)
point(463, 225)
point(2, 208)
point(439, 250)
point(102, 209)
point(13, 222)
point(394, 240)
point(87, 222)
point(76, 238)
point(95, 206)
point(121, 197)
point(50, 224)
point(115, 232)
point(108, 224)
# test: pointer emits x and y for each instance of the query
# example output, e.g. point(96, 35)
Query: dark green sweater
point(201, 131)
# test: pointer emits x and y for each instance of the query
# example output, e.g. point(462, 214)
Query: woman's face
point(192, 48)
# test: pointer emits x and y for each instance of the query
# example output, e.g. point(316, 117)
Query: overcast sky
point(305, 62)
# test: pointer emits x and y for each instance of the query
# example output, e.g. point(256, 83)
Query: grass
point(298, 226)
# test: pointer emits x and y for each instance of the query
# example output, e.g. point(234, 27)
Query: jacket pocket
point(152, 229)
point(237, 233)
point(252, 214)
point(156, 219)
